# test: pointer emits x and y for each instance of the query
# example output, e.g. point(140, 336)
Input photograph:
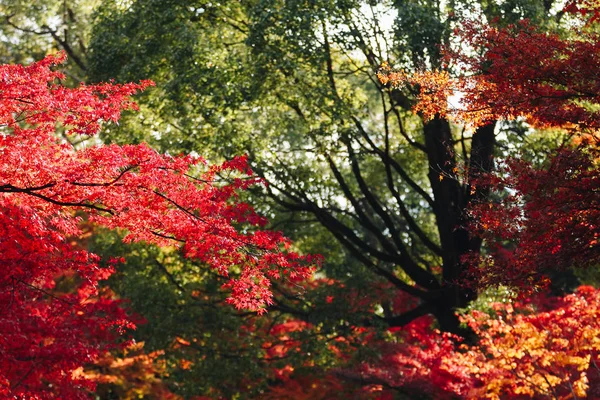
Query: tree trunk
point(451, 198)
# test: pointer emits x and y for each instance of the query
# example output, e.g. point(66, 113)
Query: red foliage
point(551, 217)
point(588, 9)
point(522, 353)
point(515, 71)
point(312, 387)
point(45, 183)
point(551, 214)
point(135, 374)
point(549, 221)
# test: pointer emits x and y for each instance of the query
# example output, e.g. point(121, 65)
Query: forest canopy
point(299, 199)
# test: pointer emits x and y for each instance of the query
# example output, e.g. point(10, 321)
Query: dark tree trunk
point(451, 198)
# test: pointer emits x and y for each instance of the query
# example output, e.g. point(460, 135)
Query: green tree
point(292, 83)
point(31, 30)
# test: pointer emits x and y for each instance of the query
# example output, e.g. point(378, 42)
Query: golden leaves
point(548, 353)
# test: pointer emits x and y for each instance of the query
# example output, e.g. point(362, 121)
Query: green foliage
point(181, 302)
point(210, 349)
point(31, 30)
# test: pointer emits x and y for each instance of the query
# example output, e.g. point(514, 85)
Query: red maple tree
point(514, 71)
point(545, 347)
point(55, 316)
point(547, 220)
point(551, 214)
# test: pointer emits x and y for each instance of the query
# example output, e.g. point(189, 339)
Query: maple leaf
point(45, 181)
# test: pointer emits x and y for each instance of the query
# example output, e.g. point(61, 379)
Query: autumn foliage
point(55, 316)
point(510, 72)
point(547, 215)
point(547, 222)
point(546, 347)
point(132, 373)
point(542, 219)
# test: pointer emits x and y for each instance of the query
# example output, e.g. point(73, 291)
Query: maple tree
point(547, 222)
point(129, 374)
point(276, 92)
point(542, 347)
point(300, 91)
point(56, 316)
point(418, 161)
point(551, 81)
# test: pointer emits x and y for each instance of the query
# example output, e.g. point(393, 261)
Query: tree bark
point(451, 199)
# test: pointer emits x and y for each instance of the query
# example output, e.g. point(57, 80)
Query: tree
point(234, 69)
point(293, 84)
point(553, 84)
point(56, 316)
point(210, 349)
point(551, 213)
point(352, 171)
point(540, 348)
point(32, 31)
point(133, 374)
point(546, 223)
